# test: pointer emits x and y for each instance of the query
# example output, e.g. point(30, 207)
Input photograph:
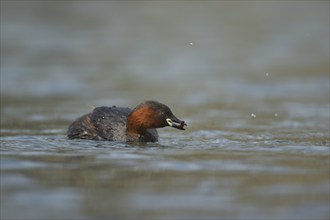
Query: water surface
point(251, 79)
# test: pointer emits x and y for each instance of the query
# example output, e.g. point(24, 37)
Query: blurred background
point(185, 53)
point(247, 76)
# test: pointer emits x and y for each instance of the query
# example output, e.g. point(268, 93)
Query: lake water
point(251, 79)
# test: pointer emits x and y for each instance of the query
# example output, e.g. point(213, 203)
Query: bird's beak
point(176, 123)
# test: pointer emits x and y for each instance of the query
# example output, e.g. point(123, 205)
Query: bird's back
point(104, 123)
point(110, 122)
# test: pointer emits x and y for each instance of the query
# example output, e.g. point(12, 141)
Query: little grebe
point(124, 124)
